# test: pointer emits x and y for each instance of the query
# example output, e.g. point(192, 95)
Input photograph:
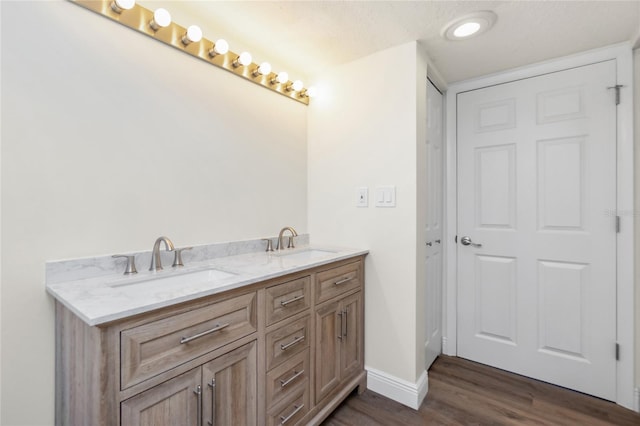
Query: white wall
point(110, 139)
point(362, 131)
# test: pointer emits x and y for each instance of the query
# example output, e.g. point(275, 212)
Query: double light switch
point(386, 196)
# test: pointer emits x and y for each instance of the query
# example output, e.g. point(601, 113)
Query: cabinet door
point(352, 328)
point(229, 388)
point(328, 335)
point(174, 402)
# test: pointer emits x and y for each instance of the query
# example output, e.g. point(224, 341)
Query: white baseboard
point(402, 391)
point(636, 400)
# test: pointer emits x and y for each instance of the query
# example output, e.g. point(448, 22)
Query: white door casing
point(434, 225)
point(537, 188)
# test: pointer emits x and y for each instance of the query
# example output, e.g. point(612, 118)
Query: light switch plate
point(362, 197)
point(386, 196)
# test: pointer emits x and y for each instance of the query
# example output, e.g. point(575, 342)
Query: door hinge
point(618, 224)
point(617, 351)
point(617, 87)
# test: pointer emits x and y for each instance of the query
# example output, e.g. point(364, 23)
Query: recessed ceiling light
point(469, 25)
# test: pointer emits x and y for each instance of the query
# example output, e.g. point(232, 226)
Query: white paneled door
point(433, 231)
point(536, 192)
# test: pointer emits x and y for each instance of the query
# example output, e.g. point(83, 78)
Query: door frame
point(623, 55)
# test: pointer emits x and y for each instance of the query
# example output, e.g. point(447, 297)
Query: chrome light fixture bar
point(158, 25)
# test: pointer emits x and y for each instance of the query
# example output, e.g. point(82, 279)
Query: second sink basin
point(305, 254)
point(173, 278)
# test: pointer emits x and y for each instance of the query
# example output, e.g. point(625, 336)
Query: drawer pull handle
point(294, 342)
point(218, 327)
point(284, 383)
point(295, 299)
point(284, 419)
point(342, 281)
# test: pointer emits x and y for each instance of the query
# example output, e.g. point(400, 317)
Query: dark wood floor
point(462, 392)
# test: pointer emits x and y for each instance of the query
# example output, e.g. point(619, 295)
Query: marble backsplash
point(90, 267)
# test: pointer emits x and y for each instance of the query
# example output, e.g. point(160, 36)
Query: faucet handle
point(269, 244)
point(177, 258)
point(131, 263)
point(291, 245)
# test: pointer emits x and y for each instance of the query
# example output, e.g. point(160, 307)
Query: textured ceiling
point(306, 37)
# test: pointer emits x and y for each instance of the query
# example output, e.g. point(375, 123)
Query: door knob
point(466, 241)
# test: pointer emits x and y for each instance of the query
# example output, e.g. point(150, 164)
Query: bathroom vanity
point(273, 339)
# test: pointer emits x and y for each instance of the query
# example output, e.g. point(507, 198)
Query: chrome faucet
point(156, 261)
point(282, 231)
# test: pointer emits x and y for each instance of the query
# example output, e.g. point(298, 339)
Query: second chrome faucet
point(293, 232)
point(156, 261)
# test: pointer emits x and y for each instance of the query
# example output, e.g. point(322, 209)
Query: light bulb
point(297, 85)
point(193, 35)
point(282, 77)
point(466, 29)
point(119, 6)
point(161, 19)
point(263, 69)
point(312, 92)
point(244, 59)
point(219, 48)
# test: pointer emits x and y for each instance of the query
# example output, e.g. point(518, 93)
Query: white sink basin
point(306, 255)
point(173, 278)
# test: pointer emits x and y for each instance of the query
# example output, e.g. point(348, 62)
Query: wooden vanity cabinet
point(221, 392)
point(339, 335)
point(285, 351)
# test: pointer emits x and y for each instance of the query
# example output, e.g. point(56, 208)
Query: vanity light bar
point(190, 40)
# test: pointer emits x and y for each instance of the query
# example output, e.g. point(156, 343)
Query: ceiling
point(307, 37)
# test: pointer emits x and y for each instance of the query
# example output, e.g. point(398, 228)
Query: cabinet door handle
point(346, 318)
point(295, 299)
point(296, 374)
point(212, 385)
point(341, 324)
point(198, 393)
point(218, 327)
point(342, 281)
point(292, 343)
point(284, 419)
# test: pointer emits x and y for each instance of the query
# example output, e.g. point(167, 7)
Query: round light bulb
point(264, 68)
point(312, 92)
point(244, 59)
point(119, 5)
point(221, 47)
point(194, 33)
point(466, 29)
point(282, 77)
point(161, 19)
point(297, 85)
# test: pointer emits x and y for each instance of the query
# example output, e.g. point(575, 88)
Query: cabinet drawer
point(287, 299)
point(288, 377)
point(153, 348)
point(333, 282)
point(287, 341)
point(291, 411)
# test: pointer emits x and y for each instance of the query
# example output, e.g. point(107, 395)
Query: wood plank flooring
point(463, 392)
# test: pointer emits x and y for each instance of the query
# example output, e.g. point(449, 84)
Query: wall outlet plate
point(362, 197)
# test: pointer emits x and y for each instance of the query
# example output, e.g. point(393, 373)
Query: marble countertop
point(107, 298)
